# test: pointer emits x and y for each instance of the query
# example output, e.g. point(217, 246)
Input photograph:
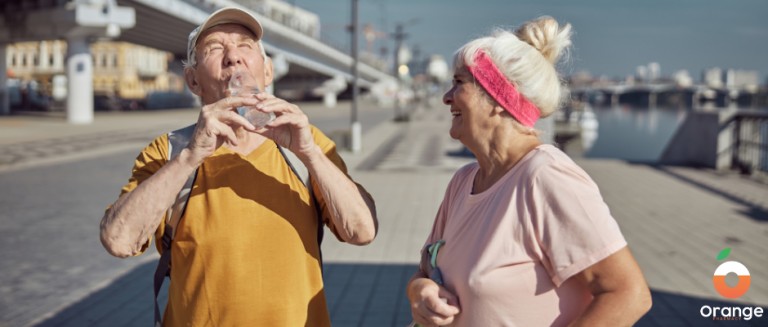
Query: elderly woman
point(523, 236)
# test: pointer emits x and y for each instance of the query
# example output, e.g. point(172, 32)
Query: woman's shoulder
point(462, 175)
point(466, 170)
point(550, 162)
point(547, 155)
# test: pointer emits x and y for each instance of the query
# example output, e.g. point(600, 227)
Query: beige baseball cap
point(228, 15)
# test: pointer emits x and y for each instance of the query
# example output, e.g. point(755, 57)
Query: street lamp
point(398, 69)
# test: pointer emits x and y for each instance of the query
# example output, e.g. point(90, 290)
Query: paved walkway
point(675, 219)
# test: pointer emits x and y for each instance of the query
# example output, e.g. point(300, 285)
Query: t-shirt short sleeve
point(571, 222)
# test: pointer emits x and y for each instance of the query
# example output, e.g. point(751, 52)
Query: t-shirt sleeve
point(148, 162)
point(571, 222)
point(329, 148)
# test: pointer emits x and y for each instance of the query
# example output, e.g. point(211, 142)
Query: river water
point(633, 134)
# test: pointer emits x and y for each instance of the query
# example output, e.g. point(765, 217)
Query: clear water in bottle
point(240, 84)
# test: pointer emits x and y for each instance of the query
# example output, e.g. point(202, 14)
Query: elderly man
point(246, 252)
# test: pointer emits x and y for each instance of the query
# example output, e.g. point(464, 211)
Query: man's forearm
point(352, 210)
point(126, 227)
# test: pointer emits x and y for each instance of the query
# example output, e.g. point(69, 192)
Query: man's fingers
point(283, 120)
point(230, 103)
point(264, 96)
point(234, 119)
point(278, 106)
point(219, 130)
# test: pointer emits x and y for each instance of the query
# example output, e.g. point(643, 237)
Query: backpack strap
point(177, 141)
point(301, 171)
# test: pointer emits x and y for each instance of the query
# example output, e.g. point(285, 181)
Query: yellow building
point(120, 69)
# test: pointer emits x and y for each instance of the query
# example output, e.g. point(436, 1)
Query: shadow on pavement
point(358, 295)
point(670, 309)
point(755, 212)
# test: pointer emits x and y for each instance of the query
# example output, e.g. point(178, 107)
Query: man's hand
point(290, 129)
point(431, 304)
point(217, 124)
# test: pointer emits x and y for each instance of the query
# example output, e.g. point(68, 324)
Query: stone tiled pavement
point(675, 219)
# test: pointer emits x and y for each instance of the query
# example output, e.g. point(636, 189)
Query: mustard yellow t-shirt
point(246, 251)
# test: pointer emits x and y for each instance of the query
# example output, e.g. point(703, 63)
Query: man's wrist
point(187, 160)
point(313, 154)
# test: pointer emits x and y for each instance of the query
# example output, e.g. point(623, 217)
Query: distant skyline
point(611, 38)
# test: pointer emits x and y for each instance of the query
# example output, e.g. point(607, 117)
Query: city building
point(123, 73)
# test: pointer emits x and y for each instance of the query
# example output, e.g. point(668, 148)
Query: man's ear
point(189, 77)
point(268, 72)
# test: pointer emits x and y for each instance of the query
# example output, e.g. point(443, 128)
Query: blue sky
point(611, 38)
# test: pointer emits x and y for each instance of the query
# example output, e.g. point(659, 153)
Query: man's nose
point(232, 56)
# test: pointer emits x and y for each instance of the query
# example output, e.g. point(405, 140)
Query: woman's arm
point(621, 295)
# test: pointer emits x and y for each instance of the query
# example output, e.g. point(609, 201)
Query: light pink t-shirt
point(510, 250)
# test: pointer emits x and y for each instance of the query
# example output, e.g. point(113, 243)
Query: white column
point(329, 99)
point(5, 105)
point(79, 81)
point(356, 136)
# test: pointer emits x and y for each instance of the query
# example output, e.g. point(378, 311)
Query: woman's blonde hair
point(528, 58)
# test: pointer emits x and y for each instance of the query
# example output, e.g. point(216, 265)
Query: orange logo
point(728, 267)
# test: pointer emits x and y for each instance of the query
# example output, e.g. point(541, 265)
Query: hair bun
point(545, 34)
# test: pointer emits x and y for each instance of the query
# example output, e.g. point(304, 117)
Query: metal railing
point(750, 148)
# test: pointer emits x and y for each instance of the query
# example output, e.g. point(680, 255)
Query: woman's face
point(469, 108)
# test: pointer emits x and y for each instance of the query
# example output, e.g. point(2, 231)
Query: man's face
point(222, 50)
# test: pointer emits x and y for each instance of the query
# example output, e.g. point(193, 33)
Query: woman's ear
point(499, 110)
point(496, 109)
point(189, 77)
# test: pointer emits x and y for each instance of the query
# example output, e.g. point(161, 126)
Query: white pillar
point(79, 81)
point(329, 99)
point(5, 104)
point(356, 137)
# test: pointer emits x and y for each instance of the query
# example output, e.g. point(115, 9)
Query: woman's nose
point(448, 97)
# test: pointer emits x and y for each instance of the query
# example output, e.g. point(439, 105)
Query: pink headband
point(502, 90)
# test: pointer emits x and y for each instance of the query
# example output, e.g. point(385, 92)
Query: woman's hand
point(431, 304)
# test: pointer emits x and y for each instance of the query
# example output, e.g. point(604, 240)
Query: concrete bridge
point(162, 24)
point(665, 94)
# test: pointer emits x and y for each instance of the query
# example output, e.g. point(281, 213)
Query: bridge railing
point(750, 141)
